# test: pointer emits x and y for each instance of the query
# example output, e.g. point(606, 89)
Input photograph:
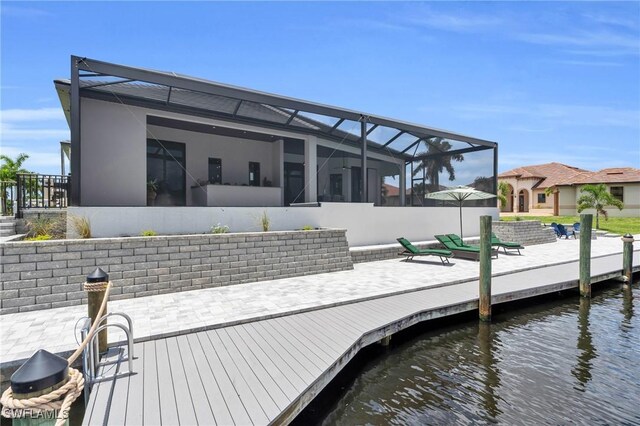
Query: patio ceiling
point(204, 98)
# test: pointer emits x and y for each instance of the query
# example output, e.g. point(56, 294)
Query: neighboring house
point(554, 188)
point(143, 138)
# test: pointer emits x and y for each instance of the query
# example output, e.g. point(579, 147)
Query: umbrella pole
point(461, 236)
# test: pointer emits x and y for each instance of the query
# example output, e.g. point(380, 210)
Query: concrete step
point(7, 225)
point(5, 219)
point(7, 232)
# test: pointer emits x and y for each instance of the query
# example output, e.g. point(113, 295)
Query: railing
point(7, 196)
point(35, 191)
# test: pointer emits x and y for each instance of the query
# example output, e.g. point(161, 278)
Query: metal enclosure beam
point(448, 153)
point(214, 88)
point(363, 140)
point(74, 107)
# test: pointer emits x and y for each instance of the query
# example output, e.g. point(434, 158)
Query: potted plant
point(152, 191)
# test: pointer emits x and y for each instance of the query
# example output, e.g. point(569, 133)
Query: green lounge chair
point(495, 242)
point(454, 243)
point(410, 251)
point(458, 241)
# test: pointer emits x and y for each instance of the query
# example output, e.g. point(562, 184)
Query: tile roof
point(550, 174)
point(611, 175)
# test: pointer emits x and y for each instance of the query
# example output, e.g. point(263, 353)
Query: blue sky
point(555, 81)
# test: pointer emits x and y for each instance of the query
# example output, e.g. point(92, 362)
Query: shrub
point(265, 222)
point(148, 233)
point(52, 227)
point(81, 226)
point(307, 228)
point(219, 229)
point(518, 218)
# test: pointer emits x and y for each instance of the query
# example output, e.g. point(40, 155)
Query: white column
point(311, 169)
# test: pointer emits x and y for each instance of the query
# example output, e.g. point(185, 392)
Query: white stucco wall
point(365, 223)
point(113, 154)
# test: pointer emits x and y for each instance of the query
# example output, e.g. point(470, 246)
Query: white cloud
point(25, 115)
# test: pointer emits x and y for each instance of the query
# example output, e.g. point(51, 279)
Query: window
point(254, 174)
point(617, 192)
point(215, 170)
point(542, 198)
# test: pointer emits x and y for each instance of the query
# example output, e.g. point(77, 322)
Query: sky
point(548, 81)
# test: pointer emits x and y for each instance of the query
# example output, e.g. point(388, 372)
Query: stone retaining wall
point(525, 232)
point(50, 274)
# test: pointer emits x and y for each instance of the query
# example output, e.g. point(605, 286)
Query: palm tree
point(8, 173)
point(503, 193)
point(436, 163)
point(597, 197)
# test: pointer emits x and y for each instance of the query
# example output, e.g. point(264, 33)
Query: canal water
point(568, 361)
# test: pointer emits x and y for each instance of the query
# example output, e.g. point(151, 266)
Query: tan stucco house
point(554, 188)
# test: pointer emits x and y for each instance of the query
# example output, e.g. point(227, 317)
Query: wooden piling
point(585, 254)
point(627, 259)
point(484, 304)
point(94, 302)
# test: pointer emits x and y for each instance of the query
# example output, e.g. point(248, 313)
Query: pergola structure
point(198, 97)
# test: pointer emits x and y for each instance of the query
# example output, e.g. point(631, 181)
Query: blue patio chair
point(562, 231)
point(555, 228)
point(576, 228)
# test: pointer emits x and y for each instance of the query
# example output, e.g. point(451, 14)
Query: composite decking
point(266, 372)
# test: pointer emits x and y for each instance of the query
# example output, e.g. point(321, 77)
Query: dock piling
point(585, 254)
point(96, 286)
point(484, 304)
point(627, 259)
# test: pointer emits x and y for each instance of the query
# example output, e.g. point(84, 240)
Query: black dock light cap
point(98, 276)
point(43, 370)
point(628, 235)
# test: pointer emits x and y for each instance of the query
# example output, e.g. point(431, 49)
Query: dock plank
point(296, 372)
point(135, 400)
point(183, 397)
point(151, 390)
point(254, 354)
point(223, 398)
point(225, 365)
point(168, 405)
point(201, 406)
point(309, 360)
point(120, 394)
point(101, 394)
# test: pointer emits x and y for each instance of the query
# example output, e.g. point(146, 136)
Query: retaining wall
point(50, 274)
point(525, 232)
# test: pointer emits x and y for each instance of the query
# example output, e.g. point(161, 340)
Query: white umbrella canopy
point(460, 194)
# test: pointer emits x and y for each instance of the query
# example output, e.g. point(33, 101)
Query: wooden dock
point(266, 372)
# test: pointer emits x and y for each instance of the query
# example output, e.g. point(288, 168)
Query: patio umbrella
point(460, 194)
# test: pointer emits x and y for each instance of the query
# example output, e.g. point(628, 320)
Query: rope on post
point(61, 398)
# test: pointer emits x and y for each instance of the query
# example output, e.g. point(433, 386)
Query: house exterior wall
point(365, 223)
point(113, 154)
point(569, 199)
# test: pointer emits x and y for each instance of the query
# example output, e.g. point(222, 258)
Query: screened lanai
point(353, 156)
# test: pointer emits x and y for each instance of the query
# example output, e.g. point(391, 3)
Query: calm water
point(565, 362)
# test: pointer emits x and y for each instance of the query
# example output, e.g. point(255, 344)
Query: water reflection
point(586, 350)
point(532, 366)
point(627, 308)
point(486, 343)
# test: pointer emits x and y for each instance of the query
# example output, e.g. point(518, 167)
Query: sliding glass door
point(166, 171)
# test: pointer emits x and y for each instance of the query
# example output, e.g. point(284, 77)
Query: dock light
point(95, 286)
point(41, 374)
